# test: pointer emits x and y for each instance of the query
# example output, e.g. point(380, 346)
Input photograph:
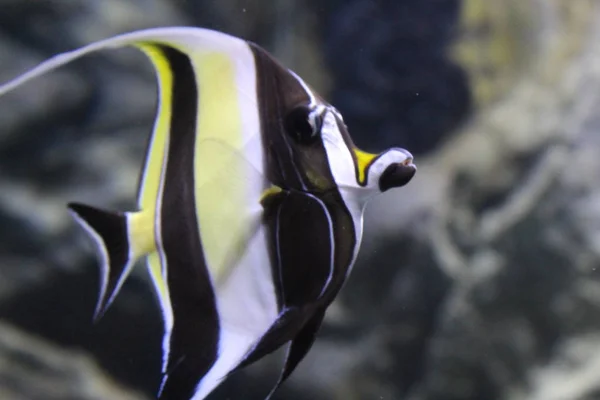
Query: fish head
point(307, 144)
point(356, 172)
point(328, 158)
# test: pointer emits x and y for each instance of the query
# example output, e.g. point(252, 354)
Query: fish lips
point(396, 175)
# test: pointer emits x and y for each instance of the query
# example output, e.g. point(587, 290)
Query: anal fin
point(110, 232)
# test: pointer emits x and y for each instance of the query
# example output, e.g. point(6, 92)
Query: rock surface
point(479, 280)
point(31, 369)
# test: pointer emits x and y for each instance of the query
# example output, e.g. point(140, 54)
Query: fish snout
point(398, 173)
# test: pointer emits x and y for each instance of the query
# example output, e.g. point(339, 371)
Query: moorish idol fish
point(250, 205)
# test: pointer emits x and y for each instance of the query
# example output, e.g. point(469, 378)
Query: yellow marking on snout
point(363, 161)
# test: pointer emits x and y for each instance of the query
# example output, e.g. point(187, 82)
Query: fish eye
point(304, 123)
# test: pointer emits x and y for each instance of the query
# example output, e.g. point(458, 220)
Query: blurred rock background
point(479, 280)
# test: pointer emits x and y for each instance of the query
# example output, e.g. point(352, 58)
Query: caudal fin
point(109, 231)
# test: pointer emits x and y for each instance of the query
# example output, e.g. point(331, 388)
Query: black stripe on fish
point(289, 164)
point(305, 240)
point(301, 229)
point(311, 230)
point(277, 91)
point(195, 333)
point(300, 322)
point(300, 234)
point(313, 242)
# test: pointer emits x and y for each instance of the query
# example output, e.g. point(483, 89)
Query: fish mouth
point(408, 162)
point(397, 174)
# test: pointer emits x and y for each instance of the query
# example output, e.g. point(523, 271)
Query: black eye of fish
point(303, 124)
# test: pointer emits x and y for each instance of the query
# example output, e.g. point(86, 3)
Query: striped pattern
point(195, 333)
point(312, 234)
point(210, 175)
point(248, 233)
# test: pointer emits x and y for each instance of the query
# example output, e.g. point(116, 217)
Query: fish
point(249, 209)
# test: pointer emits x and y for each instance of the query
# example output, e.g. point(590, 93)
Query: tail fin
point(110, 232)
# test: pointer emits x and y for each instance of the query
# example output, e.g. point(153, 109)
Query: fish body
point(250, 205)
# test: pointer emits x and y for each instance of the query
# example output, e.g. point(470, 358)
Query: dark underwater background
point(477, 281)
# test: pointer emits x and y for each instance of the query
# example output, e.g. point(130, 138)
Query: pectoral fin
point(272, 196)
